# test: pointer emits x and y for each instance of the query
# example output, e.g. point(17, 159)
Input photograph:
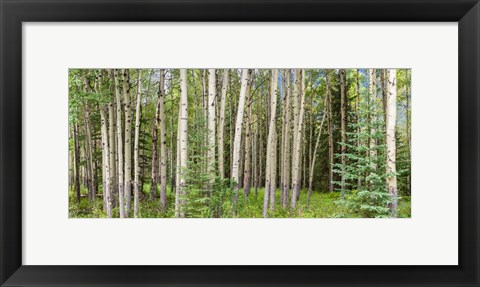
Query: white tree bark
point(107, 193)
point(270, 167)
point(182, 146)
point(221, 126)
point(238, 131)
point(119, 146)
point(299, 92)
point(212, 93)
point(391, 144)
point(286, 140)
point(128, 141)
point(138, 116)
point(163, 143)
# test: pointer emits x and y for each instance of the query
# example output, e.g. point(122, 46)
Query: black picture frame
point(14, 12)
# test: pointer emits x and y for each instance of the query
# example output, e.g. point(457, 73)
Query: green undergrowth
point(322, 205)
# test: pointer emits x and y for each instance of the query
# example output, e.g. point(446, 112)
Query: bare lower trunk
point(221, 125)
point(248, 143)
point(182, 152)
point(342, 127)
point(128, 141)
point(271, 146)
point(119, 146)
point(330, 135)
point(238, 132)
point(163, 143)
point(299, 101)
point(391, 144)
point(136, 168)
point(76, 156)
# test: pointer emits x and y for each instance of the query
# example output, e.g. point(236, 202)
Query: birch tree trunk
point(299, 99)
point(163, 143)
point(107, 188)
point(154, 172)
point(119, 146)
point(271, 147)
point(238, 131)
point(212, 94)
point(391, 144)
point(111, 140)
point(128, 141)
point(286, 140)
point(136, 169)
point(182, 153)
point(106, 164)
point(221, 126)
point(248, 144)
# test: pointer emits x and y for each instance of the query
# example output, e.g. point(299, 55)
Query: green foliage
point(364, 191)
point(322, 205)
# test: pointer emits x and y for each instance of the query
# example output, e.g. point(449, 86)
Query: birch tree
point(299, 102)
point(271, 147)
point(238, 131)
point(128, 141)
point(163, 142)
point(182, 140)
point(212, 93)
point(391, 141)
point(119, 145)
point(138, 116)
point(221, 125)
point(286, 140)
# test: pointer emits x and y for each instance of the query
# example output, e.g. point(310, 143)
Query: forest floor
point(322, 205)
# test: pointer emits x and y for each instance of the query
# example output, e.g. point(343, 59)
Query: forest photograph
point(239, 143)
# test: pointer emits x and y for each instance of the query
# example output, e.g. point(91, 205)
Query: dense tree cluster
point(239, 142)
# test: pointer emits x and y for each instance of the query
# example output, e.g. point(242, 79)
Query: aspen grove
point(239, 143)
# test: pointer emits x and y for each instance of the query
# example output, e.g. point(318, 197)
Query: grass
point(322, 205)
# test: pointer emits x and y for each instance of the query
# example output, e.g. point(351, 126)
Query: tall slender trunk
point(89, 155)
point(106, 164)
point(330, 135)
point(238, 131)
point(299, 102)
point(111, 141)
point(271, 147)
point(248, 144)
point(180, 200)
point(136, 168)
point(119, 146)
point(314, 156)
point(357, 111)
point(391, 144)
point(372, 118)
point(107, 184)
point(128, 141)
point(212, 94)
point(221, 125)
point(286, 140)
point(76, 156)
point(342, 128)
point(163, 143)
point(154, 172)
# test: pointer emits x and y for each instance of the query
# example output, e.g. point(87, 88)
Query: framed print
point(239, 143)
